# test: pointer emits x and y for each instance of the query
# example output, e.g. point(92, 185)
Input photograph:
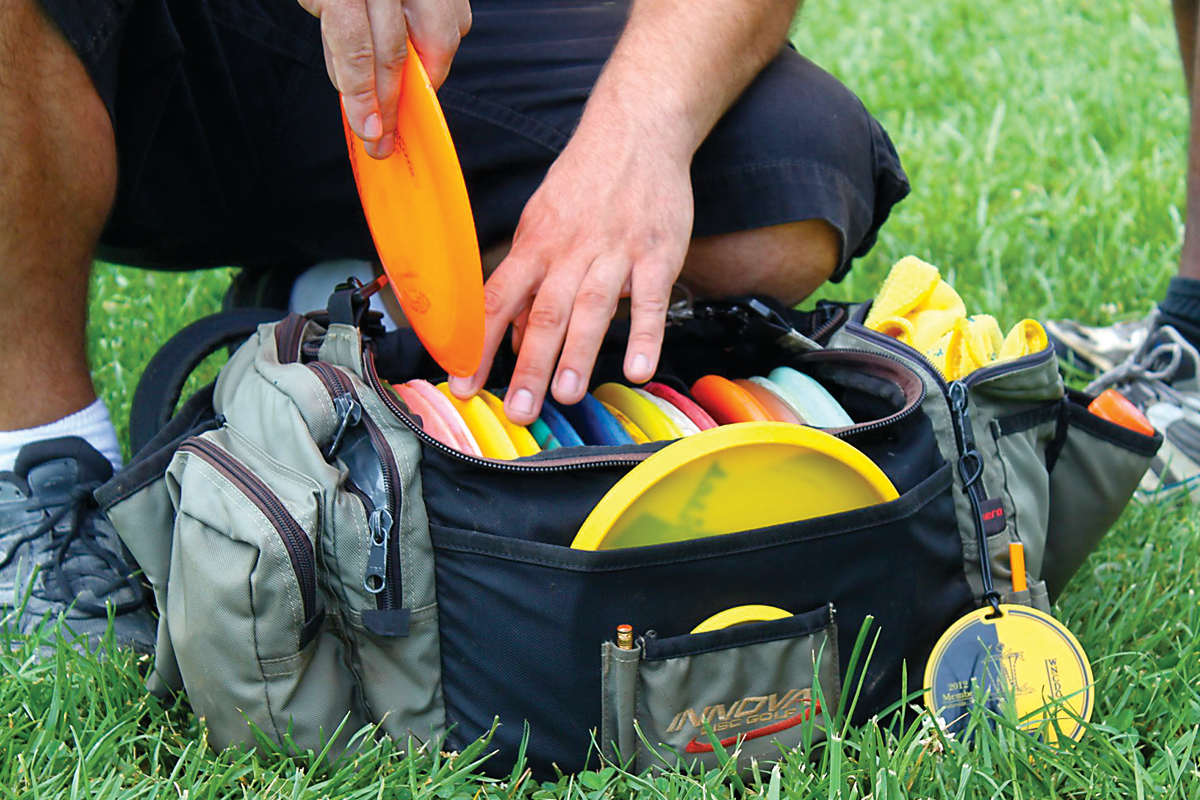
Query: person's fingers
point(648, 302)
point(541, 343)
point(389, 33)
point(591, 314)
point(518, 326)
point(436, 27)
point(347, 34)
point(505, 294)
point(329, 61)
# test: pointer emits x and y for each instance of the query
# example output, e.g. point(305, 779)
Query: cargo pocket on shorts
point(761, 688)
point(244, 573)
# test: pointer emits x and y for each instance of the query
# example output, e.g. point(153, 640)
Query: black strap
point(162, 383)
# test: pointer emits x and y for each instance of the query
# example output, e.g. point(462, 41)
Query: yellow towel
point(1027, 336)
point(910, 282)
point(918, 308)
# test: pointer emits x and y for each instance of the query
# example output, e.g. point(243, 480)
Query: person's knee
point(787, 262)
point(54, 127)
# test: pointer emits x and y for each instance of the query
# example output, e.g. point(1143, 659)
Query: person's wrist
point(613, 124)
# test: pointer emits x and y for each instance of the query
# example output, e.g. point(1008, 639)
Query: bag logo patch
point(771, 712)
point(992, 512)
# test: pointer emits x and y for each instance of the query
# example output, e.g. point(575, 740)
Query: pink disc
point(450, 415)
point(431, 421)
point(695, 413)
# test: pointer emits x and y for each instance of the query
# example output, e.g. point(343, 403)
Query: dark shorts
point(231, 150)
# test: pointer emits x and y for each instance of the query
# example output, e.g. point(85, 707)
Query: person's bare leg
point(58, 177)
point(787, 262)
point(1185, 29)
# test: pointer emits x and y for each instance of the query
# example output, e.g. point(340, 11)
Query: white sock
point(312, 288)
point(91, 424)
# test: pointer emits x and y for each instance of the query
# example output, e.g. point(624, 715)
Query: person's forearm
point(679, 65)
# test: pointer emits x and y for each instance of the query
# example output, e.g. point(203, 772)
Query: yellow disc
point(488, 432)
point(635, 433)
point(1024, 657)
point(740, 615)
point(733, 478)
point(654, 423)
point(521, 438)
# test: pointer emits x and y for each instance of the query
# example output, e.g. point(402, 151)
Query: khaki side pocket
point(754, 685)
point(245, 613)
point(1094, 470)
point(618, 701)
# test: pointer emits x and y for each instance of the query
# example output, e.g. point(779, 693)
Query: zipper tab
point(379, 524)
point(349, 412)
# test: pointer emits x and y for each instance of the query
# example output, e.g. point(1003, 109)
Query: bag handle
point(162, 382)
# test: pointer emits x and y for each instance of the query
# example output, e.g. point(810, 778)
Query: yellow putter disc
point(733, 478)
point(653, 422)
point(740, 615)
point(521, 438)
point(629, 425)
point(1024, 654)
point(488, 432)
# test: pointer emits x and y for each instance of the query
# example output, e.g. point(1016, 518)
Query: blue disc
point(562, 430)
point(597, 426)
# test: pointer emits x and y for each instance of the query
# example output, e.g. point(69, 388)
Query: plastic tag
point(1025, 655)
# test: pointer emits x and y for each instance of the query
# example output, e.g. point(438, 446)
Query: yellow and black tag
point(1021, 653)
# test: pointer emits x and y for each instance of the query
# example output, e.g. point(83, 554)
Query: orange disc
point(417, 208)
point(727, 402)
point(1116, 408)
point(774, 406)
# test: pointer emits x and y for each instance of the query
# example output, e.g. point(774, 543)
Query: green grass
point(1046, 146)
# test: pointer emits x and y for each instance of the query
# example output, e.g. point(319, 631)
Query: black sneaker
point(49, 520)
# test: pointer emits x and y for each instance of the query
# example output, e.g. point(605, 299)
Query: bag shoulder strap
point(162, 382)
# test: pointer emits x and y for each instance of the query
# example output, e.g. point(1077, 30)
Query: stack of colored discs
point(616, 415)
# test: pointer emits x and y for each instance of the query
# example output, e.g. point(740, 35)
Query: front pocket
point(1095, 466)
point(763, 687)
point(245, 613)
point(520, 620)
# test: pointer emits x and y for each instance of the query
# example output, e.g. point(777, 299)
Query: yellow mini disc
point(647, 416)
point(740, 615)
point(520, 436)
point(635, 433)
point(488, 432)
point(1025, 655)
point(733, 478)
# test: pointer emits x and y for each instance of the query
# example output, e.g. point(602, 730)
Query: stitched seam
point(268, 532)
point(841, 530)
point(482, 103)
point(767, 639)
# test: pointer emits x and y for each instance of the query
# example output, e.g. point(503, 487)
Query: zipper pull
point(970, 462)
point(349, 413)
point(379, 524)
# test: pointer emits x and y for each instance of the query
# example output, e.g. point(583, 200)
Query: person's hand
point(365, 49)
point(612, 219)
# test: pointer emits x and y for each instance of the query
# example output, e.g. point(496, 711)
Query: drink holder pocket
point(1095, 465)
point(761, 688)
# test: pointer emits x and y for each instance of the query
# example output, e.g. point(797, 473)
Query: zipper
point(570, 463)
point(345, 402)
point(383, 577)
point(287, 337)
point(295, 540)
point(831, 324)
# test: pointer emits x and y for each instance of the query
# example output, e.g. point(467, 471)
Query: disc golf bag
point(321, 564)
